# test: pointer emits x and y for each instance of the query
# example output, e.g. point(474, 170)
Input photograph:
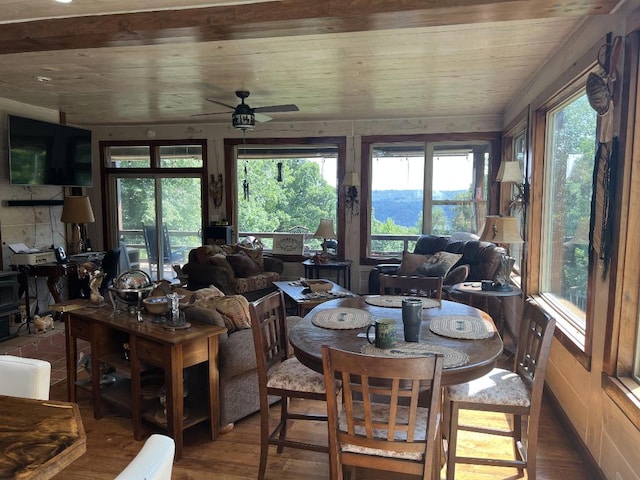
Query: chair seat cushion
point(498, 387)
point(293, 375)
point(380, 413)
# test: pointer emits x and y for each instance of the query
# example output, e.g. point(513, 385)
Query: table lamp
point(326, 232)
point(502, 231)
point(77, 211)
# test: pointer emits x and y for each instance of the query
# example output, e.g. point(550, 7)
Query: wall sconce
point(77, 210)
point(511, 172)
point(351, 181)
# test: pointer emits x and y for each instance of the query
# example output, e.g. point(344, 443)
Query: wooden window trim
point(494, 138)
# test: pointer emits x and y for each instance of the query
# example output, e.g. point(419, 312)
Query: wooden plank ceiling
point(110, 62)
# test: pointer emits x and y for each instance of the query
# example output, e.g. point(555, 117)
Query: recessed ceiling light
point(64, 1)
point(41, 78)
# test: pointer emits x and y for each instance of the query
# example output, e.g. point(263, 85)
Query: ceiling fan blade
point(278, 108)
point(219, 103)
point(206, 114)
point(261, 117)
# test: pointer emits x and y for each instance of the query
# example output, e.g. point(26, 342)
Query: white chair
point(153, 462)
point(24, 377)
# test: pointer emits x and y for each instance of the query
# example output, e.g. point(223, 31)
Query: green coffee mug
point(385, 332)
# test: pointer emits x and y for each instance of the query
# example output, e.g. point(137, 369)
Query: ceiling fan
point(244, 117)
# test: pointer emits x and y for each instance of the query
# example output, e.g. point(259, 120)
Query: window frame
point(109, 176)
point(493, 139)
point(231, 180)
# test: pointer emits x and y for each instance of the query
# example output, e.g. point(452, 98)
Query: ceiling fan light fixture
point(243, 120)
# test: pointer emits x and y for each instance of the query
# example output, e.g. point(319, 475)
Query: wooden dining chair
point(411, 285)
point(516, 392)
point(280, 376)
point(379, 424)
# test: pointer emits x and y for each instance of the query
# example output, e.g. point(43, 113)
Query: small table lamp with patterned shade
point(502, 231)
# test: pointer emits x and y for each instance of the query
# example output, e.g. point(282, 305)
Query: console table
point(149, 345)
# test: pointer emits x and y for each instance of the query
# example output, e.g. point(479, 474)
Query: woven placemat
point(342, 318)
point(452, 357)
point(395, 301)
point(461, 326)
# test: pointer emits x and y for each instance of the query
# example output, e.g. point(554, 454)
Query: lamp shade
point(325, 229)
point(501, 230)
point(77, 209)
point(351, 179)
point(509, 172)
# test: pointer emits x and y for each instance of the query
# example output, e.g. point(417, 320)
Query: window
point(436, 187)
point(568, 170)
point(285, 186)
point(150, 184)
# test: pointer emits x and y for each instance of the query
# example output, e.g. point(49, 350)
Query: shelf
point(194, 416)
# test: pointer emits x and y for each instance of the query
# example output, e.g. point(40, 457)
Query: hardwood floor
point(110, 446)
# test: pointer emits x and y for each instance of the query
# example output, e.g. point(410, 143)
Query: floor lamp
point(77, 210)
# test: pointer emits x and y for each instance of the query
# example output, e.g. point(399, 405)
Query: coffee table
point(305, 300)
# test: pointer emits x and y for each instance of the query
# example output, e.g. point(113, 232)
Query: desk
point(313, 270)
point(39, 438)
point(297, 293)
point(149, 345)
point(307, 339)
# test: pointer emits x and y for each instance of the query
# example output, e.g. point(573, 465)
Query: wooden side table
point(341, 267)
point(473, 289)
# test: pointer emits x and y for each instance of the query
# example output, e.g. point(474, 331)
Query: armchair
point(234, 269)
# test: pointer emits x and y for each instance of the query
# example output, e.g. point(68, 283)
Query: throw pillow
point(254, 254)
point(210, 291)
point(235, 311)
point(203, 253)
point(242, 265)
point(411, 262)
point(439, 264)
point(220, 260)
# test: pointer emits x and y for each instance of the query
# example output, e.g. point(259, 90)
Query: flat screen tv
point(43, 153)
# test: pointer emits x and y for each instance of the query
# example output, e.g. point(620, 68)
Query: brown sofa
point(234, 269)
point(478, 261)
point(239, 395)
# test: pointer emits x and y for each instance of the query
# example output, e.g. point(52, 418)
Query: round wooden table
point(307, 339)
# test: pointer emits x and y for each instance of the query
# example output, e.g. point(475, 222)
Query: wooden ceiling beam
point(275, 19)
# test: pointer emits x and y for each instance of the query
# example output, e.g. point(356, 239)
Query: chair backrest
point(380, 410)
point(411, 285)
point(153, 462)
point(534, 344)
point(124, 263)
point(268, 323)
point(151, 245)
point(24, 377)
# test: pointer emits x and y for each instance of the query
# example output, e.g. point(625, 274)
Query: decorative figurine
point(43, 323)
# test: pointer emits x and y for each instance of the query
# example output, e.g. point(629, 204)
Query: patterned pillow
point(234, 309)
point(411, 262)
point(439, 264)
point(242, 265)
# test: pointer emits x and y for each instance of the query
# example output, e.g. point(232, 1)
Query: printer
point(23, 255)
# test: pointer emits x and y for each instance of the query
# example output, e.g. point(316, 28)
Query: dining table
point(38, 438)
point(465, 336)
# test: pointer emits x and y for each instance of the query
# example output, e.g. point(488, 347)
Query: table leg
point(175, 396)
point(136, 390)
point(214, 387)
point(72, 359)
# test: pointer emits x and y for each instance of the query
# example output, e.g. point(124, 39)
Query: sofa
point(239, 395)
point(234, 269)
point(456, 260)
